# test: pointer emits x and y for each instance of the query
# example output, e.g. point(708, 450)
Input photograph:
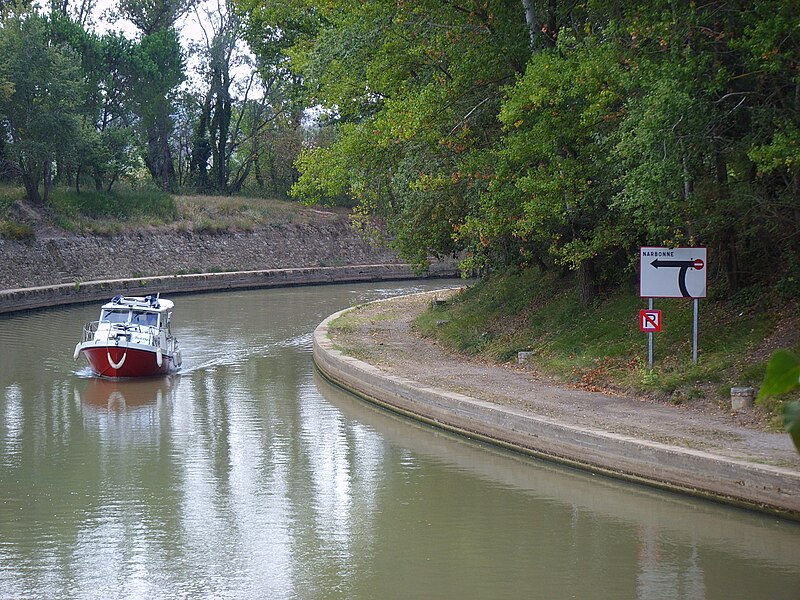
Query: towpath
point(380, 334)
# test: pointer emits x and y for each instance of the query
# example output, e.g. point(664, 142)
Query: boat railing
point(159, 336)
point(89, 329)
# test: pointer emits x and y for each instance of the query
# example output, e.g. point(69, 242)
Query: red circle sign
point(698, 264)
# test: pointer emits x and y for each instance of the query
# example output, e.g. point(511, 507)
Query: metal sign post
point(673, 273)
point(650, 340)
point(694, 330)
point(650, 322)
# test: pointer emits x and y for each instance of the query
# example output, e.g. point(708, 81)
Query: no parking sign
point(650, 321)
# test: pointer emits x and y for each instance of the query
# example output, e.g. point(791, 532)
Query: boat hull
point(120, 362)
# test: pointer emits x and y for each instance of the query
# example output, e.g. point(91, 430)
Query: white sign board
point(672, 272)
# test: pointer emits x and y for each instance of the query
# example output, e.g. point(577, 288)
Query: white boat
point(132, 338)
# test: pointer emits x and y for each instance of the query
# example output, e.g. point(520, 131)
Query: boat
point(132, 338)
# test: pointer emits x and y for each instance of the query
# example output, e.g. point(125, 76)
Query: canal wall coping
point(31, 298)
point(757, 486)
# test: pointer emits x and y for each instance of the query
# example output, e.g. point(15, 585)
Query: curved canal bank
point(699, 454)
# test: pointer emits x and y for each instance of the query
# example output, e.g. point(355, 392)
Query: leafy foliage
point(39, 106)
point(562, 136)
point(412, 90)
point(510, 134)
point(783, 376)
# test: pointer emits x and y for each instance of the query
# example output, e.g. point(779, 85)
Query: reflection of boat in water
point(132, 338)
point(124, 414)
point(122, 395)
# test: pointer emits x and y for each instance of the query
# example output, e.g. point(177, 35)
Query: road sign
point(650, 320)
point(672, 272)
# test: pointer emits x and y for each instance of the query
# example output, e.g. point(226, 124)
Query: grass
point(131, 207)
point(220, 214)
point(601, 347)
point(108, 212)
point(12, 230)
point(10, 226)
point(8, 195)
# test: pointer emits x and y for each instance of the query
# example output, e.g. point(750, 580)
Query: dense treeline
point(557, 134)
point(512, 133)
point(80, 108)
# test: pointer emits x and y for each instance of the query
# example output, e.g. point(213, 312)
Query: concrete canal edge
point(91, 291)
point(764, 488)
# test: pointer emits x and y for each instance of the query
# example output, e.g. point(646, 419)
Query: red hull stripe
point(126, 362)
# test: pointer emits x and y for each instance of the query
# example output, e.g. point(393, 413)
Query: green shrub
point(16, 231)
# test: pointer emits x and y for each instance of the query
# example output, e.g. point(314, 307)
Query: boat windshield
point(114, 316)
point(144, 318)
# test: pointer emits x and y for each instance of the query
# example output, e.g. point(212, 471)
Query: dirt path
point(380, 334)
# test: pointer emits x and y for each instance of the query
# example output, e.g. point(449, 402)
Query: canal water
point(249, 476)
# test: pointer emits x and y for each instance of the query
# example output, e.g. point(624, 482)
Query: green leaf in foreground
point(783, 374)
point(791, 421)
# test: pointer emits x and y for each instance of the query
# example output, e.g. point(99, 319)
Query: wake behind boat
point(132, 338)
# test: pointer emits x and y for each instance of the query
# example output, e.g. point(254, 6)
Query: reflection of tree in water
point(664, 574)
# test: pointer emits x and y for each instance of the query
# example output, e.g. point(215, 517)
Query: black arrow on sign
point(683, 265)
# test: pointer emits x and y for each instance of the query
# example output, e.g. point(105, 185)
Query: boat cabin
point(140, 312)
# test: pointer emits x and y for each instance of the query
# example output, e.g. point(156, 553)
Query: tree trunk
point(47, 175)
point(201, 148)
point(159, 154)
point(530, 20)
point(257, 171)
point(588, 281)
point(31, 184)
point(730, 259)
point(551, 35)
point(97, 176)
point(729, 252)
point(167, 168)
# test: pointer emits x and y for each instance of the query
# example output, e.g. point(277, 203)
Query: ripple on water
point(303, 342)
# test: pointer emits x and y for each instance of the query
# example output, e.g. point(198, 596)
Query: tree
point(556, 134)
point(151, 16)
point(234, 109)
point(113, 87)
point(41, 114)
point(158, 65)
point(549, 198)
point(106, 147)
point(80, 12)
point(713, 97)
point(413, 90)
point(159, 69)
point(770, 46)
point(213, 140)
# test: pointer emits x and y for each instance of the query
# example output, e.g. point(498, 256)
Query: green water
point(248, 476)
